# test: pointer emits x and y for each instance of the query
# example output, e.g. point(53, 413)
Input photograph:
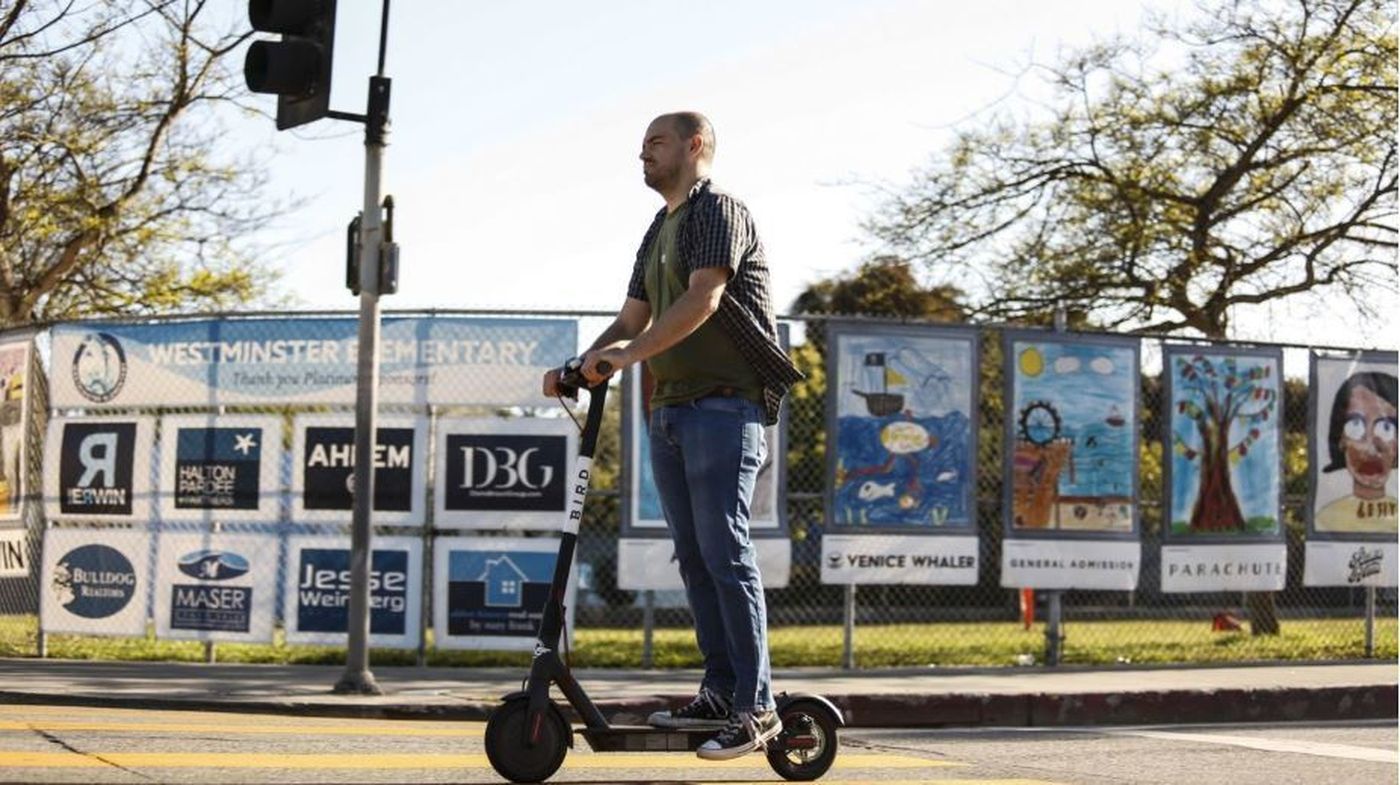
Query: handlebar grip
point(571, 376)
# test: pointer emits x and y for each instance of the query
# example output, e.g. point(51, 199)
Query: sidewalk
point(868, 698)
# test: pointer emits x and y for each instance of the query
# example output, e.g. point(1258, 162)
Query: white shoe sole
point(735, 752)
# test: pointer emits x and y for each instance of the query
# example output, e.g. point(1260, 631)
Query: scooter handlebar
point(571, 378)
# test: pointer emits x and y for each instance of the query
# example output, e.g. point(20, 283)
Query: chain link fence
point(456, 392)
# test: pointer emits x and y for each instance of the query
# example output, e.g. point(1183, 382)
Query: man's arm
point(630, 321)
point(700, 300)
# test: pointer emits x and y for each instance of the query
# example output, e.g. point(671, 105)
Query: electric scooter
point(527, 735)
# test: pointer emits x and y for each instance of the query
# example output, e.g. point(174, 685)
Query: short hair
point(690, 124)
point(1382, 384)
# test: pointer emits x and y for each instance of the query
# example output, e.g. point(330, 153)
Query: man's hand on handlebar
point(589, 370)
point(601, 364)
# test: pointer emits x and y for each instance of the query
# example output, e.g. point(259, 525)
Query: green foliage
point(989, 643)
point(110, 200)
point(1245, 157)
point(883, 286)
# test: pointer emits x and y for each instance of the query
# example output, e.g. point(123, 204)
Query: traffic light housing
point(297, 69)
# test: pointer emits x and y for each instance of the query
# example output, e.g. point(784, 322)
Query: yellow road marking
point(23, 712)
point(241, 760)
point(422, 729)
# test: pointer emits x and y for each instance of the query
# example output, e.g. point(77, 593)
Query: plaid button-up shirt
point(718, 231)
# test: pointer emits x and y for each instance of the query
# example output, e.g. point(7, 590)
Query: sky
point(516, 127)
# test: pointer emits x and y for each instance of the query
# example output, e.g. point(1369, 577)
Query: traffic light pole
point(297, 69)
point(357, 678)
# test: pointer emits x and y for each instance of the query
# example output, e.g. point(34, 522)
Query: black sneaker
point(745, 733)
point(709, 709)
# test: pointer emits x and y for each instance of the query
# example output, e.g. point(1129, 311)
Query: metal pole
point(848, 643)
point(1053, 636)
point(648, 623)
point(357, 678)
point(1370, 621)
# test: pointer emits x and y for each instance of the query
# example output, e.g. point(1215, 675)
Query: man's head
point(677, 150)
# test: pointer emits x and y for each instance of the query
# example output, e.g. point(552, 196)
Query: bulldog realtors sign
point(94, 582)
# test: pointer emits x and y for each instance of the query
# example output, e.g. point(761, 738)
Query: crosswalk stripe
point(240, 760)
point(1298, 746)
point(829, 781)
point(420, 729)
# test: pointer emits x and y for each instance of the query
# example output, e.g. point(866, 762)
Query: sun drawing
point(1032, 362)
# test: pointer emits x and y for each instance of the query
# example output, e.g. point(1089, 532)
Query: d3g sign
point(503, 474)
point(506, 472)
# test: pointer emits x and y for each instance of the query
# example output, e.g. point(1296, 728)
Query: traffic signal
point(298, 67)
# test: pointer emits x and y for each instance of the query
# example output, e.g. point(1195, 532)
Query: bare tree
point(1245, 157)
point(112, 200)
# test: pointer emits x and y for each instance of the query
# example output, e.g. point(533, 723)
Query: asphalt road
point(51, 744)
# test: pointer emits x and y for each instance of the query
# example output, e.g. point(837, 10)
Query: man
point(698, 313)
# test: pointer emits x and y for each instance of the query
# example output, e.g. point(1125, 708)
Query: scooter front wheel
point(806, 748)
point(519, 752)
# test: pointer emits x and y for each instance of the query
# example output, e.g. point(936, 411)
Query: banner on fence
point(901, 411)
point(439, 360)
point(901, 456)
point(14, 425)
point(502, 473)
point(873, 558)
point(490, 592)
point(94, 581)
point(323, 450)
point(1223, 469)
point(1225, 435)
point(1071, 436)
point(641, 508)
point(1351, 464)
point(1070, 564)
point(317, 590)
point(14, 553)
point(1352, 449)
point(1070, 463)
point(649, 563)
point(1224, 567)
point(98, 468)
point(216, 586)
point(223, 468)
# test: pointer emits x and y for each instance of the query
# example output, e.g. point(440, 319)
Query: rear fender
point(786, 698)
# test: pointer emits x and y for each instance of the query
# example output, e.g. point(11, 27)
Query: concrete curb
point(861, 711)
point(1135, 708)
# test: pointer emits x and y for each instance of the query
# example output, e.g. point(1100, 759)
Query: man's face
point(663, 155)
point(1368, 438)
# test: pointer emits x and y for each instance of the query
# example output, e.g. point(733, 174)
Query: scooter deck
point(644, 738)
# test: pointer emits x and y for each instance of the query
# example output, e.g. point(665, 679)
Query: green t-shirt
point(706, 359)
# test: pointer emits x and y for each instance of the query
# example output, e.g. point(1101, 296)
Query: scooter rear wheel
point(508, 745)
point(806, 748)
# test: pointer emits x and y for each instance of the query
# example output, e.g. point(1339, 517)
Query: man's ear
point(696, 146)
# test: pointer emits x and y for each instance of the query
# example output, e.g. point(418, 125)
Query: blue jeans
point(705, 456)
